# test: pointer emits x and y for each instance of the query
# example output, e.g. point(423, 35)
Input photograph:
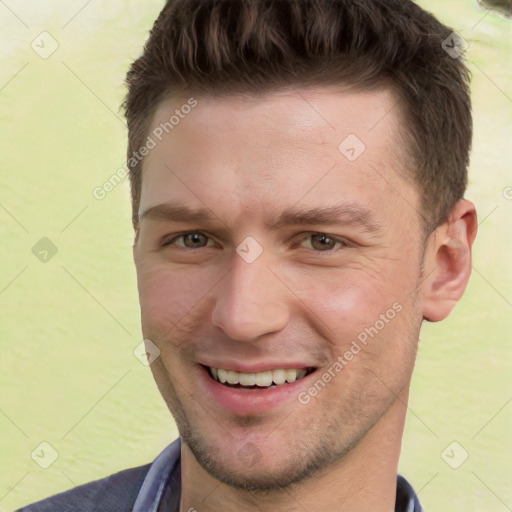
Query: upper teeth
point(259, 379)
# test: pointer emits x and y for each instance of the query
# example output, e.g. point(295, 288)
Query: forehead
point(311, 114)
point(273, 148)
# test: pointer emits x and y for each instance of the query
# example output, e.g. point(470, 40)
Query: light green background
point(69, 326)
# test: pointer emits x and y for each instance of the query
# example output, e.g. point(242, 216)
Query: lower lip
point(251, 401)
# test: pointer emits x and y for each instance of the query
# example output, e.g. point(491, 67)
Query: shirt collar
point(154, 484)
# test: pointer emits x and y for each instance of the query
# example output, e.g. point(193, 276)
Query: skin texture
point(304, 299)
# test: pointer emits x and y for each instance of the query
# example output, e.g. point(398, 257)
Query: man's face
point(261, 286)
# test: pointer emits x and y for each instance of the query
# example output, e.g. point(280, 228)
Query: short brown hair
point(217, 47)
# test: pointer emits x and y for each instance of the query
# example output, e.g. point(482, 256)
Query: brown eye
point(322, 242)
point(195, 240)
point(192, 240)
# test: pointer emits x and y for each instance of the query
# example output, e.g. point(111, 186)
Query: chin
point(258, 465)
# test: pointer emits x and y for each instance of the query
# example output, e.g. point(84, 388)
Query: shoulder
point(114, 493)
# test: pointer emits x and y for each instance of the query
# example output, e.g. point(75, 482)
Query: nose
point(250, 301)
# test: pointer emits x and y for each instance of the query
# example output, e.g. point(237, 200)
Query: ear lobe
point(448, 262)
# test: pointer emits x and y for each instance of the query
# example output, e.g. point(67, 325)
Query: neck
point(364, 479)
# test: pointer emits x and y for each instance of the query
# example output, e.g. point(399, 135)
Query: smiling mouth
point(260, 380)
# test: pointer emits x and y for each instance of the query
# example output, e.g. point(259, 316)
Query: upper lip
point(247, 367)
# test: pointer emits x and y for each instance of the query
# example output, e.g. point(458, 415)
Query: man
point(298, 172)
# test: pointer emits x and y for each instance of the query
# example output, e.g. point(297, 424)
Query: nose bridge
point(250, 302)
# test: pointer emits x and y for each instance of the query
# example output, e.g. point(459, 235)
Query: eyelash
point(341, 241)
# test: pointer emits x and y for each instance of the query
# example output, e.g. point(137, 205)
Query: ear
point(447, 261)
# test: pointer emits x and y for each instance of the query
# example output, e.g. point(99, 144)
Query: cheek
point(348, 303)
point(341, 295)
point(371, 329)
point(168, 298)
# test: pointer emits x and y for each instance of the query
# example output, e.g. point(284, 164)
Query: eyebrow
point(342, 214)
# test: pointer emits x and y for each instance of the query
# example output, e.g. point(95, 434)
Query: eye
point(322, 242)
point(192, 240)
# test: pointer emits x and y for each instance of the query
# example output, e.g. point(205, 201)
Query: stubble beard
point(320, 441)
point(315, 440)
